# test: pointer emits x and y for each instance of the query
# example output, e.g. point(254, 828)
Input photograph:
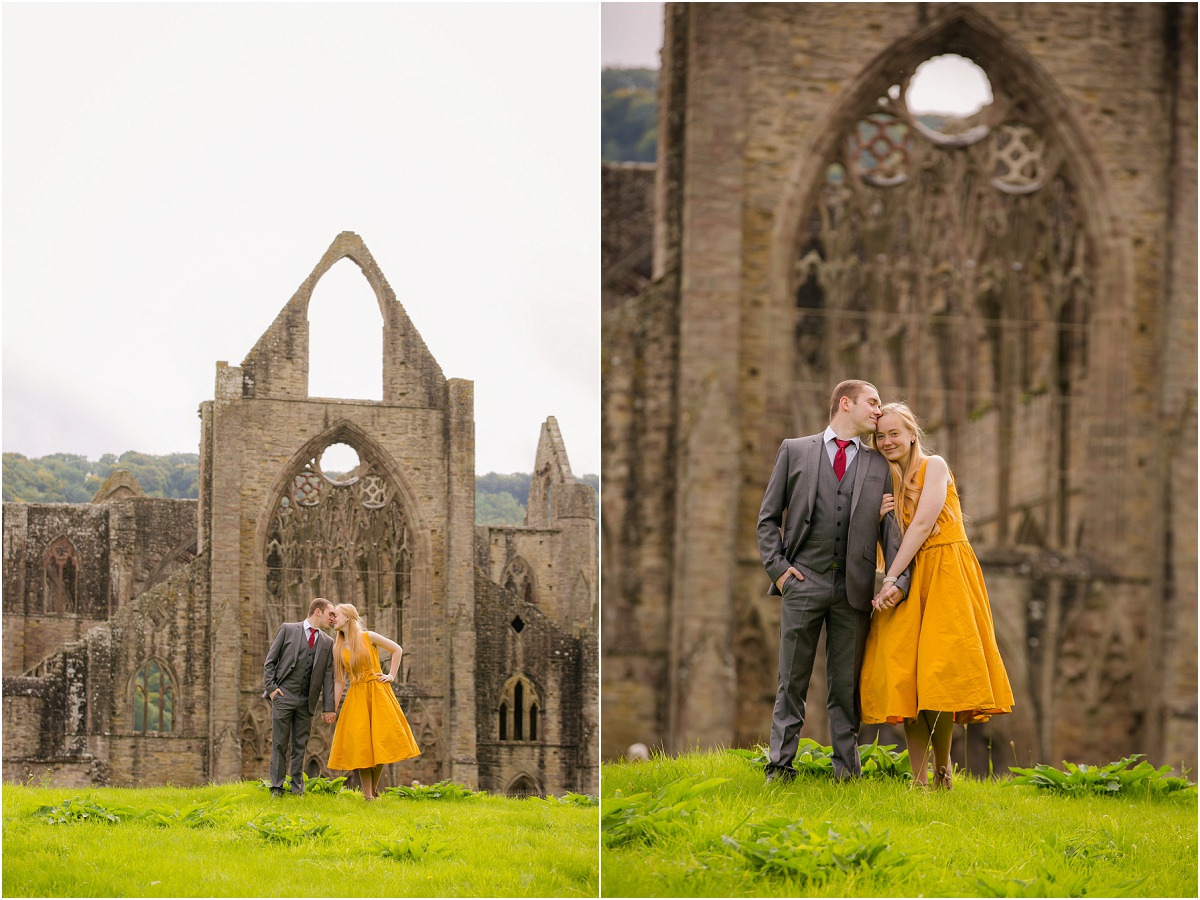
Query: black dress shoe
point(786, 776)
point(276, 792)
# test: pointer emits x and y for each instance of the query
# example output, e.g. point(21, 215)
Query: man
point(298, 668)
point(831, 486)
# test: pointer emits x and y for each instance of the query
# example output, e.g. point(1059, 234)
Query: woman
point(931, 660)
point(371, 729)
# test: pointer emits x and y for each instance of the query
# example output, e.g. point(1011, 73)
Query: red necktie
point(839, 458)
point(312, 632)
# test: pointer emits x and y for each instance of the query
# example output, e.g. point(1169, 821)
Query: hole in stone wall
point(338, 462)
point(345, 336)
point(947, 95)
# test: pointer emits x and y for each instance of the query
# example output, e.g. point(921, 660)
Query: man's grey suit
point(830, 537)
point(302, 674)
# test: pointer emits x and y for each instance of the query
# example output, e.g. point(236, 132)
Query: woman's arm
point(392, 647)
point(929, 505)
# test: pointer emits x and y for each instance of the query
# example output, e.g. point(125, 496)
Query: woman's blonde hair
point(904, 481)
point(349, 637)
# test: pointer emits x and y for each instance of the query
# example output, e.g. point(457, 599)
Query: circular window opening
point(947, 97)
point(339, 463)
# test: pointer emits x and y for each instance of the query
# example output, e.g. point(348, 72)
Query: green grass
point(882, 837)
point(330, 845)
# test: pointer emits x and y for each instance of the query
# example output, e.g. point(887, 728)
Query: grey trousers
point(290, 728)
point(807, 606)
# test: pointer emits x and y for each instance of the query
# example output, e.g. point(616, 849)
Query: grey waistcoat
point(830, 526)
point(296, 682)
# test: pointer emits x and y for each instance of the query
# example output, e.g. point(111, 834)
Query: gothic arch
point(154, 697)
point(380, 473)
point(965, 32)
point(520, 708)
point(60, 577)
point(356, 251)
point(523, 785)
point(860, 340)
point(519, 578)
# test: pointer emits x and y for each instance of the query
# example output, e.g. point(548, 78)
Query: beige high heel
point(942, 779)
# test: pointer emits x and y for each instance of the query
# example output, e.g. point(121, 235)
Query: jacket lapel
point(860, 474)
point(811, 460)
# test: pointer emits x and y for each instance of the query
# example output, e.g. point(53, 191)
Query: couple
point(927, 657)
point(304, 663)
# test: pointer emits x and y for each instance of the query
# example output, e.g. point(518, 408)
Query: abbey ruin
point(135, 628)
point(1025, 279)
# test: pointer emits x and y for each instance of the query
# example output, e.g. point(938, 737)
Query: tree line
point(628, 115)
point(70, 478)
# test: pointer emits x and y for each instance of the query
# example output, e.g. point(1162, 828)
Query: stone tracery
point(350, 541)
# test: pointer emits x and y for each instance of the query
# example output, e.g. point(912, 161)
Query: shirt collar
point(830, 434)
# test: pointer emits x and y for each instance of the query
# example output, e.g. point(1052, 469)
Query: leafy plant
point(884, 762)
point(414, 848)
point(1044, 884)
point(779, 846)
point(571, 798)
point(195, 815)
point(323, 785)
point(1120, 777)
point(443, 790)
point(813, 758)
point(285, 829)
point(646, 816)
point(83, 809)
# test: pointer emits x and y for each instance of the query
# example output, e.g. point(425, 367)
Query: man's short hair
point(319, 603)
point(850, 388)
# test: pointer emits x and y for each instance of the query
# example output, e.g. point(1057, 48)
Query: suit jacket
point(285, 653)
point(793, 487)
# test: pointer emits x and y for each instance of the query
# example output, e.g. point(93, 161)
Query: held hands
point(784, 577)
point(328, 717)
point(889, 504)
point(888, 597)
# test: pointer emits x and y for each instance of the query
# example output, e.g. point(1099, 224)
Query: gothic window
point(518, 578)
point(523, 786)
point(340, 531)
point(944, 257)
point(153, 699)
point(61, 577)
point(519, 711)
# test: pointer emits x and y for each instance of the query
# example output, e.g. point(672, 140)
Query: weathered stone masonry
point(142, 683)
point(1028, 284)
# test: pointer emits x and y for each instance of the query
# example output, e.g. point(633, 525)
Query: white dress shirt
point(831, 447)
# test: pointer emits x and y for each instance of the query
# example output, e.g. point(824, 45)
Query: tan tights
point(929, 729)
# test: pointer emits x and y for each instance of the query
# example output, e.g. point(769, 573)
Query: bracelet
point(891, 579)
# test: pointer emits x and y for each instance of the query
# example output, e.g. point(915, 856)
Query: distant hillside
point(501, 499)
point(68, 478)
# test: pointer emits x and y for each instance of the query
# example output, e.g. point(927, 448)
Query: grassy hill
point(230, 841)
point(706, 825)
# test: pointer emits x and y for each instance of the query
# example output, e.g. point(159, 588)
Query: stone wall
point(793, 274)
point(191, 593)
point(119, 549)
point(627, 247)
point(516, 639)
point(73, 719)
point(263, 433)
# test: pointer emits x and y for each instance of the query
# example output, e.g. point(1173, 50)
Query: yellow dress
point(371, 728)
point(937, 649)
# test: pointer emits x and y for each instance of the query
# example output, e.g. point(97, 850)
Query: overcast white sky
point(172, 173)
point(631, 35)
